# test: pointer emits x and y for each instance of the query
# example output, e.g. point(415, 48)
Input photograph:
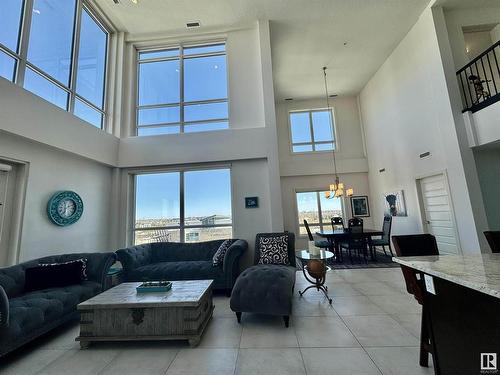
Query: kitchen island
point(462, 300)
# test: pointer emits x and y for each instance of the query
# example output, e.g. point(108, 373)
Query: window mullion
point(181, 72)
point(311, 130)
point(24, 41)
point(181, 206)
point(74, 56)
point(320, 214)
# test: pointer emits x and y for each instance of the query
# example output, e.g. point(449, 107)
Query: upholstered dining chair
point(385, 240)
point(493, 238)
point(324, 244)
point(355, 241)
point(417, 245)
point(337, 222)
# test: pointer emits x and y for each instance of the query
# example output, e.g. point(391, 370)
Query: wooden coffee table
point(121, 314)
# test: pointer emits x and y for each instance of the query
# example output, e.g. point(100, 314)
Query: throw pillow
point(218, 258)
point(274, 250)
point(55, 275)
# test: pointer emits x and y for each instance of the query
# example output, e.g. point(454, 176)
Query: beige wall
point(406, 111)
point(49, 171)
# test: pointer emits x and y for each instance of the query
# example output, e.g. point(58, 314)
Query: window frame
point(182, 226)
point(321, 224)
point(22, 64)
point(182, 103)
point(313, 143)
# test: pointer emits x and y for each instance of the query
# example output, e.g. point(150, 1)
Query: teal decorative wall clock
point(65, 208)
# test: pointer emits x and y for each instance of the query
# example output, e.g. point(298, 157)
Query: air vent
point(193, 24)
point(333, 95)
point(288, 99)
point(381, 170)
point(424, 155)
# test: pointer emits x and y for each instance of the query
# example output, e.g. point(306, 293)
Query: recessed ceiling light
point(192, 24)
point(288, 99)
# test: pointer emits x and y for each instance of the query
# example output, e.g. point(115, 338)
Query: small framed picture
point(251, 202)
point(359, 206)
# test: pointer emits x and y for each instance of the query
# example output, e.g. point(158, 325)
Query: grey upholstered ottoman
point(264, 289)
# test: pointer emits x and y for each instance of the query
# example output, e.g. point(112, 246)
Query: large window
point(312, 131)
point(183, 206)
point(57, 49)
point(317, 210)
point(182, 90)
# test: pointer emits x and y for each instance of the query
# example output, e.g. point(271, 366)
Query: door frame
point(18, 205)
point(443, 172)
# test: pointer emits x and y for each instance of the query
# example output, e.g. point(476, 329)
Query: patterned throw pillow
point(82, 262)
point(274, 250)
point(218, 258)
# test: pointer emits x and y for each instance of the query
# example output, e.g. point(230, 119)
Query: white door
point(438, 213)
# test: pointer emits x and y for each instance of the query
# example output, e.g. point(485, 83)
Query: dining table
point(335, 237)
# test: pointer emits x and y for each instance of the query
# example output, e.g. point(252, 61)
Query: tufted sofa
point(266, 288)
point(182, 261)
point(26, 315)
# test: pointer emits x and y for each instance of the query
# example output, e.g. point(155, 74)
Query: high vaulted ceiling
point(351, 37)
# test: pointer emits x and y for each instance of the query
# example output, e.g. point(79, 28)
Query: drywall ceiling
point(305, 34)
point(463, 4)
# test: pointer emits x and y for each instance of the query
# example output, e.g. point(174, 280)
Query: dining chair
point(417, 245)
point(355, 241)
point(385, 240)
point(318, 243)
point(493, 238)
point(337, 222)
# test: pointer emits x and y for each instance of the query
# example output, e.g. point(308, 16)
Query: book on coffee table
point(154, 287)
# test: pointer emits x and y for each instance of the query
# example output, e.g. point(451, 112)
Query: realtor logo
point(489, 363)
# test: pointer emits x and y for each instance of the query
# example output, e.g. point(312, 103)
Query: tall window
point(182, 90)
point(183, 206)
point(317, 210)
point(312, 131)
point(58, 51)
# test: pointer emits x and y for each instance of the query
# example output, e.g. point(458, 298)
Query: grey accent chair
point(25, 316)
point(182, 261)
point(266, 288)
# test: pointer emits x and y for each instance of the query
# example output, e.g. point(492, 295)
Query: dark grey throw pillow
point(218, 258)
point(274, 250)
point(55, 275)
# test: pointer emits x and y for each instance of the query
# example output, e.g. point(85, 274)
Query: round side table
point(314, 266)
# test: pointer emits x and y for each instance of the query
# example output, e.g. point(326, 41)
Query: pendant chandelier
point(337, 189)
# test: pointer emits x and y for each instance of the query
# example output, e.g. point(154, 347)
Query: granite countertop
point(478, 272)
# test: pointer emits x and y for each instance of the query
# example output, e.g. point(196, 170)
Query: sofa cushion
point(186, 270)
point(32, 310)
point(176, 252)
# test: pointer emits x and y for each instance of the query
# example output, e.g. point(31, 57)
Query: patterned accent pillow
point(218, 258)
point(82, 262)
point(274, 250)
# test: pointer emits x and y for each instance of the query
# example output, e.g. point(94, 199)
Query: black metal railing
point(479, 80)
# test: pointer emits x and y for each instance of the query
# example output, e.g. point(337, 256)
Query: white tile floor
point(372, 328)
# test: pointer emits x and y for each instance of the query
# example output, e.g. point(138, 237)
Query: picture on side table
point(359, 206)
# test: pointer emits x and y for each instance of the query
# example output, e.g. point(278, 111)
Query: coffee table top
point(183, 293)
point(306, 255)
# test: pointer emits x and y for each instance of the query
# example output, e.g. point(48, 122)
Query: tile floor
point(372, 328)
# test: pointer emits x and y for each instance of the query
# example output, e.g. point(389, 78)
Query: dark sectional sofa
point(26, 315)
point(182, 261)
